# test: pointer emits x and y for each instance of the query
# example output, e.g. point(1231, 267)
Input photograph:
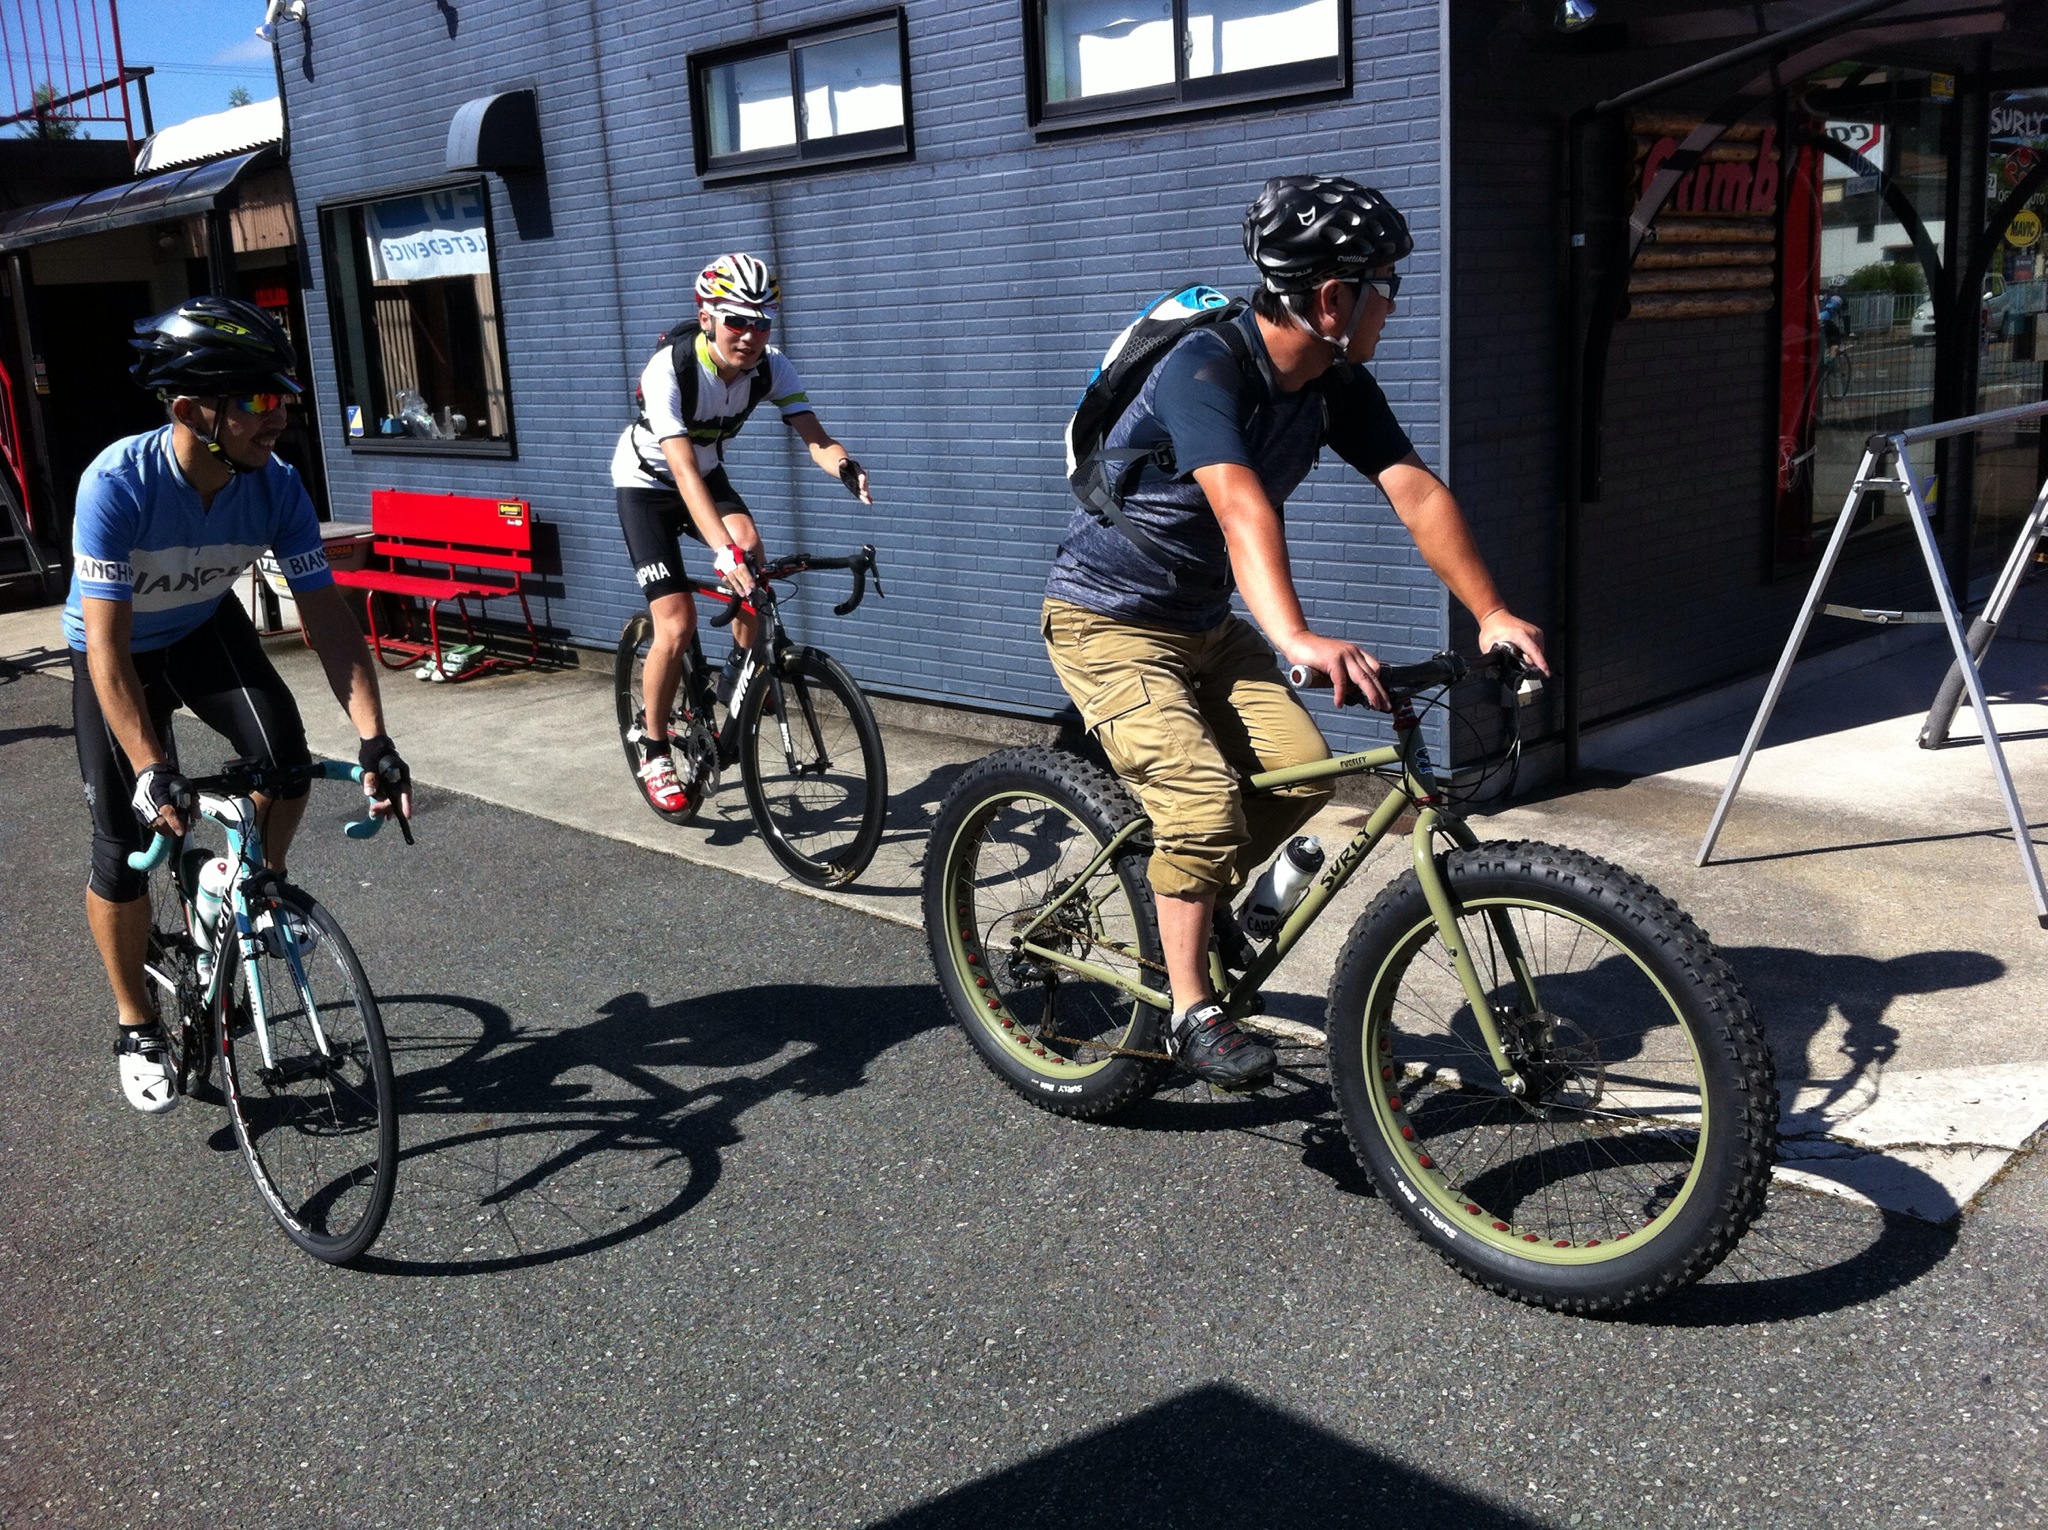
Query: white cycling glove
point(729, 558)
point(158, 787)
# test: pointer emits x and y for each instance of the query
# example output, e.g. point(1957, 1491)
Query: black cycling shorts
point(655, 520)
point(222, 674)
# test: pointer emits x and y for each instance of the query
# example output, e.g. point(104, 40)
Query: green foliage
point(1896, 276)
point(240, 96)
point(50, 121)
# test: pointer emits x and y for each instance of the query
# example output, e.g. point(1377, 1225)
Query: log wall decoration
point(1712, 250)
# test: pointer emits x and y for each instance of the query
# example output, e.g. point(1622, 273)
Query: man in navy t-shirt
point(1184, 697)
point(165, 523)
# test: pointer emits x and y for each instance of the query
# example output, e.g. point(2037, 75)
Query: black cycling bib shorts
point(220, 671)
point(655, 521)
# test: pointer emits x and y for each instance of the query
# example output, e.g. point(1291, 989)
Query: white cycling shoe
point(145, 1062)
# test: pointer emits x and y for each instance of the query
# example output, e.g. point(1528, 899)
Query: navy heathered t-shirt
point(1213, 412)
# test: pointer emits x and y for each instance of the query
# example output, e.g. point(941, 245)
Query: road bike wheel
point(317, 1118)
point(170, 967)
point(1835, 377)
point(695, 745)
point(1641, 1148)
point(1016, 830)
point(816, 779)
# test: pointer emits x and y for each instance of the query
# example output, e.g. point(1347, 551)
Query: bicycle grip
point(148, 860)
point(725, 618)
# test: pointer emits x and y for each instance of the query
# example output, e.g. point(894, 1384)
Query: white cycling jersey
point(637, 462)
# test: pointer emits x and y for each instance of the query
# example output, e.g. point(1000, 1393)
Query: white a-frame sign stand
point(1893, 448)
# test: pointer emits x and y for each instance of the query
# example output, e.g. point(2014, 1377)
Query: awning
point(160, 198)
point(234, 131)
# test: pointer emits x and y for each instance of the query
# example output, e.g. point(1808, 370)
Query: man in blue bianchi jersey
point(165, 523)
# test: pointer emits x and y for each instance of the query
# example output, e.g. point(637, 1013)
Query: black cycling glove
point(384, 773)
point(849, 474)
point(158, 787)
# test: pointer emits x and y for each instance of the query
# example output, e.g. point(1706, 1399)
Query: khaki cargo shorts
point(1184, 716)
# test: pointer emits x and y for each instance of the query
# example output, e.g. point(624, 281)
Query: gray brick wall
point(944, 311)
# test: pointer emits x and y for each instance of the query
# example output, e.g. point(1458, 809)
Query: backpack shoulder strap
point(682, 354)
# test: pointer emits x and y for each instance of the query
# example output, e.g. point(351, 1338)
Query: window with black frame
point(824, 96)
point(1107, 59)
point(413, 293)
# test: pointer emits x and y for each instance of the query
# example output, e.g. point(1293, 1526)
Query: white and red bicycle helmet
point(740, 284)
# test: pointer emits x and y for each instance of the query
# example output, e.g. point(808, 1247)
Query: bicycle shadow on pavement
point(1143, 1471)
point(523, 1145)
point(1798, 995)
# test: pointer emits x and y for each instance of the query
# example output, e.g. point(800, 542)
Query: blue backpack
point(1102, 477)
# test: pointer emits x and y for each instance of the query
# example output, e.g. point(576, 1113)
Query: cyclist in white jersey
point(668, 477)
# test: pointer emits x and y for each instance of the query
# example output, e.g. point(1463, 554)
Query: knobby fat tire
point(1097, 802)
point(242, 1056)
point(1737, 1078)
point(813, 667)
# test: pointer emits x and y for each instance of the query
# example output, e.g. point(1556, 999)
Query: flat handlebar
point(1402, 680)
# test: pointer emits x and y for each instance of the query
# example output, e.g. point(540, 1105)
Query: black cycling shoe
point(1209, 1046)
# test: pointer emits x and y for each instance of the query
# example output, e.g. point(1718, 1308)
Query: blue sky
point(201, 50)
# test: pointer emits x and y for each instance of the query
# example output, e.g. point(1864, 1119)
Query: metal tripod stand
point(1894, 447)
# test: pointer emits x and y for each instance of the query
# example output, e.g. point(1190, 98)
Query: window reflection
point(2010, 365)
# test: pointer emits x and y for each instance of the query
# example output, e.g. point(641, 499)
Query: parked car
point(1999, 317)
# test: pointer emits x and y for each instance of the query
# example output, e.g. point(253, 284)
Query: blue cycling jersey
point(141, 536)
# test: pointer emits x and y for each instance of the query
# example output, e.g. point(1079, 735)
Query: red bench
point(444, 547)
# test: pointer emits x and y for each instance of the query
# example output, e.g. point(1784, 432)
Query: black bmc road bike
point(256, 973)
point(805, 738)
point(1543, 1063)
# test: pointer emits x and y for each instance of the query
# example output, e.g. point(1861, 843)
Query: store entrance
point(82, 331)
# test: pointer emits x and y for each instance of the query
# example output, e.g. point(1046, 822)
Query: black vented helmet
point(1304, 229)
point(208, 346)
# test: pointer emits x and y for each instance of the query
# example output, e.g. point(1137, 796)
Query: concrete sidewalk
point(1868, 893)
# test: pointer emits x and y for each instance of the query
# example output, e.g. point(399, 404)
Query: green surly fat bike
point(1544, 1065)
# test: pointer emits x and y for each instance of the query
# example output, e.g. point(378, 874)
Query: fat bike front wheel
point(1628, 1146)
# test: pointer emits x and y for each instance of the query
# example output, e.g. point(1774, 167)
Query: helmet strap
point(1341, 343)
point(212, 443)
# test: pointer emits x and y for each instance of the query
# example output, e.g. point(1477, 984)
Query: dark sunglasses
point(1386, 286)
point(740, 323)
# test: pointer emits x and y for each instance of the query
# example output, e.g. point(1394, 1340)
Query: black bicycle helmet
point(1304, 229)
point(209, 347)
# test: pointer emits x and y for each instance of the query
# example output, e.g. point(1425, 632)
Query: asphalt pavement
point(708, 1217)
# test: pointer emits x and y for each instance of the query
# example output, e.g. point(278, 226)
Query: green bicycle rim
point(1460, 1214)
point(971, 963)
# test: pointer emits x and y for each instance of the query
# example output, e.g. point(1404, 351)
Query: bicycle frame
point(1417, 789)
point(237, 817)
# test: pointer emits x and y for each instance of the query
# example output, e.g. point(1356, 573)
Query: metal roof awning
point(174, 194)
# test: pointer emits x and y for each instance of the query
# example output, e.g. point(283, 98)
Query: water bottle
point(1281, 887)
point(212, 891)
